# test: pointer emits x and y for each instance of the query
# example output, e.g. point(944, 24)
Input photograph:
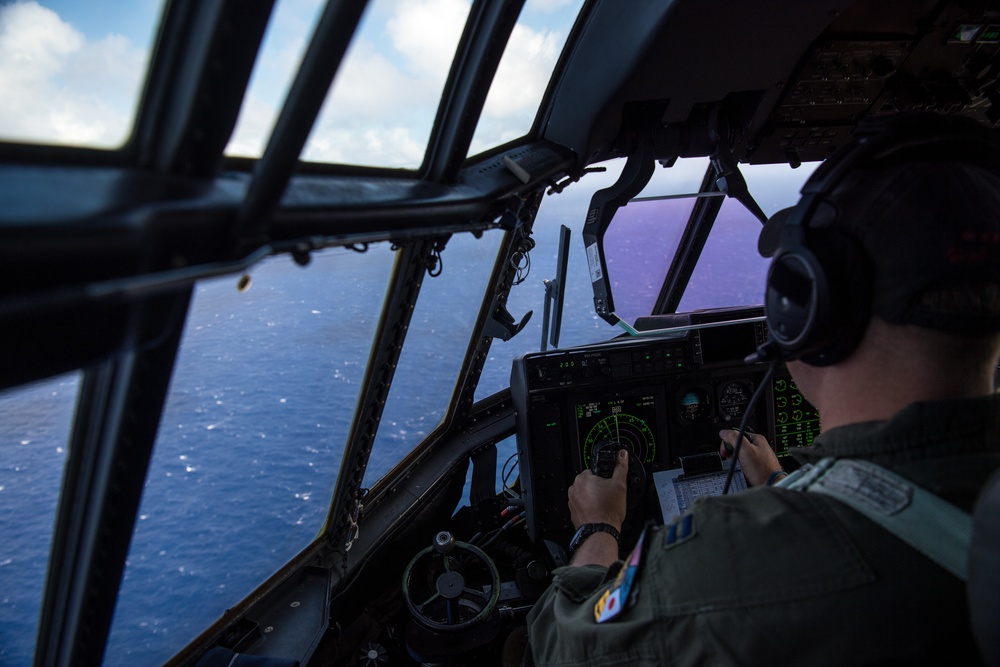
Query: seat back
point(984, 572)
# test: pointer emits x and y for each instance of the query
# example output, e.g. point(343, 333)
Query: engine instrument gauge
point(733, 400)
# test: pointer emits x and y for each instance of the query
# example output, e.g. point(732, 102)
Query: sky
point(71, 73)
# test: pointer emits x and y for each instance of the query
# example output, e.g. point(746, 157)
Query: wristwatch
point(588, 529)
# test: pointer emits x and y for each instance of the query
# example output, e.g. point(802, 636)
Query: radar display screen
point(630, 420)
point(796, 421)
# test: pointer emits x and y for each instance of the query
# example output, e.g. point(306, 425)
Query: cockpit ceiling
point(792, 77)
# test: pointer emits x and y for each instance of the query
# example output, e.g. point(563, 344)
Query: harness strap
point(932, 526)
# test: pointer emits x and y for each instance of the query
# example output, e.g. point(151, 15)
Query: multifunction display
point(796, 421)
point(630, 420)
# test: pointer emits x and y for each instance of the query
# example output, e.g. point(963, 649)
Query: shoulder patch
point(625, 591)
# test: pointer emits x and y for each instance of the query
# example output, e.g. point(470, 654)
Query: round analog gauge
point(696, 405)
point(733, 400)
point(627, 429)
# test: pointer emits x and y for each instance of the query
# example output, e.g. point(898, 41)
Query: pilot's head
point(903, 225)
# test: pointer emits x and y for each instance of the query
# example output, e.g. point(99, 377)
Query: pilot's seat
point(984, 572)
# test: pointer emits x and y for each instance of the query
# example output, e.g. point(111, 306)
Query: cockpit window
point(381, 107)
point(285, 41)
point(250, 442)
point(71, 72)
point(644, 235)
point(436, 342)
point(524, 71)
point(35, 423)
point(635, 291)
point(731, 272)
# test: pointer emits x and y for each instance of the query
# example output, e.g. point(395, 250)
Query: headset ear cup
point(796, 301)
point(848, 274)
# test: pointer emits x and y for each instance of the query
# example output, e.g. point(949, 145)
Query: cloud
point(552, 5)
point(385, 97)
point(59, 87)
point(253, 127)
point(427, 33)
point(378, 146)
point(518, 87)
point(524, 72)
point(375, 115)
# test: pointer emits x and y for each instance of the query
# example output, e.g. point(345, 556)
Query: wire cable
point(505, 474)
point(743, 423)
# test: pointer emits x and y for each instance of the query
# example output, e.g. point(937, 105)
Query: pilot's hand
point(594, 499)
point(757, 458)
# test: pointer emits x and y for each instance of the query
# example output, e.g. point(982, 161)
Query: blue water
point(261, 403)
point(33, 432)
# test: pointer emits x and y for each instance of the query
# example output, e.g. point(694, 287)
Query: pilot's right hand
point(757, 458)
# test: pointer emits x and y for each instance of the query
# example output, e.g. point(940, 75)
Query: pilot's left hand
point(757, 459)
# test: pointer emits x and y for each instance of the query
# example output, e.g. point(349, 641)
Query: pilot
point(883, 298)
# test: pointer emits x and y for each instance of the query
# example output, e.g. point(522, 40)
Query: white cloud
point(551, 5)
point(381, 146)
point(385, 97)
point(426, 33)
point(369, 88)
point(523, 72)
point(376, 114)
point(518, 86)
point(58, 87)
point(34, 41)
point(253, 127)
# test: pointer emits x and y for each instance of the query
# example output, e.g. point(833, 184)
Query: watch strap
point(588, 529)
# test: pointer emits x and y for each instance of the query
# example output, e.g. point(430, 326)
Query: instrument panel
point(665, 397)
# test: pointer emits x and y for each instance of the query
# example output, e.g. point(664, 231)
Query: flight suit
point(774, 576)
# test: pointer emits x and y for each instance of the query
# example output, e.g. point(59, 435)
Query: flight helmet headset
point(847, 249)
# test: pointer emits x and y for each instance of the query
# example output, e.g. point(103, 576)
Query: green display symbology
point(625, 420)
point(796, 421)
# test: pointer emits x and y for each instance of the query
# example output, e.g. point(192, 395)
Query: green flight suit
point(772, 576)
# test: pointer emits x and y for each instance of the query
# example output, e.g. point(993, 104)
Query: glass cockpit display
point(796, 421)
point(630, 420)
